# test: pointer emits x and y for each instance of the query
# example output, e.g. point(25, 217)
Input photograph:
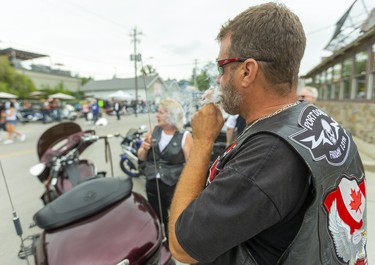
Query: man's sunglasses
point(222, 63)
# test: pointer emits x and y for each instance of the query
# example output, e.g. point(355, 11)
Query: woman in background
point(168, 144)
point(11, 122)
point(3, 118)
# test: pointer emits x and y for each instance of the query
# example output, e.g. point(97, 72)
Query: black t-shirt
point(256, 199)
point(240, 124)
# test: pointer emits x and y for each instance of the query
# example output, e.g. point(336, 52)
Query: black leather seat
point(84, 200)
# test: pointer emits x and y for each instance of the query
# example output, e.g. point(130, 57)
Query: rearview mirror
point(37, 169)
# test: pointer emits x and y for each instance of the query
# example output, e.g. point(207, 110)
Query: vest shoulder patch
point(322, 136)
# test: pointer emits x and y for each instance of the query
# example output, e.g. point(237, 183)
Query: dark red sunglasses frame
point(222, 63)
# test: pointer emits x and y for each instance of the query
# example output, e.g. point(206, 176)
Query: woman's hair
point(174, 111)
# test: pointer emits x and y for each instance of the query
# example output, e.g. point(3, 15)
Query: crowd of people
point(55, 110)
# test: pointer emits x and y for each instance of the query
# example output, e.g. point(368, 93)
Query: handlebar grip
point(106, 136)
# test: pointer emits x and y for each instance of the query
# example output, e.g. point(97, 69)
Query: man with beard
point(281, 193)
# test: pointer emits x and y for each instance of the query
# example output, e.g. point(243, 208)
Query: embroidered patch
point(215, 167)
point(322, 136)
point(346, 212)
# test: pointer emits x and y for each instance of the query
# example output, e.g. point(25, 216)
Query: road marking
point(18, 153)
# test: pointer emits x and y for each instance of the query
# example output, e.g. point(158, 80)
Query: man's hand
point(207, 123)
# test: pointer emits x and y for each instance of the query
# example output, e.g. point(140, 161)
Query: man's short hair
point(272, 31)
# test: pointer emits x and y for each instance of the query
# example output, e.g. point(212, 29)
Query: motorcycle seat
point(85, 199)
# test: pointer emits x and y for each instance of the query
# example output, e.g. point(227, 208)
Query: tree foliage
point(12, 81)
point(148, 70)
point(60, 88)
point(85, 80)
point(203, 80)
point(206, 77)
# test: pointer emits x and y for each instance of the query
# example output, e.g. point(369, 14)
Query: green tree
point(12, 81)
point(85, 80)
point(203, 80)
point(59, 88)
point(206, 78)
point(148, 70)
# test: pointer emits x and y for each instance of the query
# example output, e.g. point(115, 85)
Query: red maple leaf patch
point(357, 200)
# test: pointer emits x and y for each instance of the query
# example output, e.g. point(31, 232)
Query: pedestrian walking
point(3, 118)
point(11, 122)
point(95, 110)
point(117, 109)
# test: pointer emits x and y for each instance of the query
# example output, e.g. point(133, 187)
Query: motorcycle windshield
point(55, 134)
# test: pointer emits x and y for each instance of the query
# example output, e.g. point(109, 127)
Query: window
point(373, 73)
point(336, 76)
point(322, 87)
point(346, 73)
point(360, 74)
point(329, 83)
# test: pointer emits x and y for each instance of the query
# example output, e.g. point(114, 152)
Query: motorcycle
point(130, 144)
point(68, 112)
point(89, 218)
point(29, 115)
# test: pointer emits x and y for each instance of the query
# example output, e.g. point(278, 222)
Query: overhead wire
point(104, 18)
point(107, 20)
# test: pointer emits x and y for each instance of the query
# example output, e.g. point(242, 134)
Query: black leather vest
point(169, 162)
point(334, 229)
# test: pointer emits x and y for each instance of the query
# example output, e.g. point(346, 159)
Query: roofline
point(370, 34)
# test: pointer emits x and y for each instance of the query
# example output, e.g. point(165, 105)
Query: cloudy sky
point(93, 38)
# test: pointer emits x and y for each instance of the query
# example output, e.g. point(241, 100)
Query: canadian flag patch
point(346, 208)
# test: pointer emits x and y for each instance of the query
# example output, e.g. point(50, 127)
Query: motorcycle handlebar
point(92, 137)
point(134, 135)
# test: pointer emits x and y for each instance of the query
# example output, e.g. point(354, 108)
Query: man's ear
point(250, 70)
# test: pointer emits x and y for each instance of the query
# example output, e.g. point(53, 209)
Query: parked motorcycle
point(29, 115)
point(130, 144)
point(89, 218)
point(69, 113)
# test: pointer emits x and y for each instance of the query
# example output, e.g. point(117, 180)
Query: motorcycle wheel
point(129, 168)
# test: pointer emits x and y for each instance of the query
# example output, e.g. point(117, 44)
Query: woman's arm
point(10, 113)
point(145, 147)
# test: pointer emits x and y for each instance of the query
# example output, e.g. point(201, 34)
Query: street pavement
point(25, 190)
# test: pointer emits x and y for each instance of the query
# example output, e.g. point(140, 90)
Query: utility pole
point(195, 73)
point(136, 58)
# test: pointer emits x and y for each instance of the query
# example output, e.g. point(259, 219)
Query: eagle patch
point(346, 212)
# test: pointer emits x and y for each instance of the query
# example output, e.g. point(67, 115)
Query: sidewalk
point(367, 153)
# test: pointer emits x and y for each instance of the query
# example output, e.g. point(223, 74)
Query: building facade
point(41, 75)
point(145, 88)
point(346, 80)
point(52, 79)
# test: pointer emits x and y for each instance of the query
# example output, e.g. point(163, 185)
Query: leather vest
point(334, 228)
point(169, 162)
